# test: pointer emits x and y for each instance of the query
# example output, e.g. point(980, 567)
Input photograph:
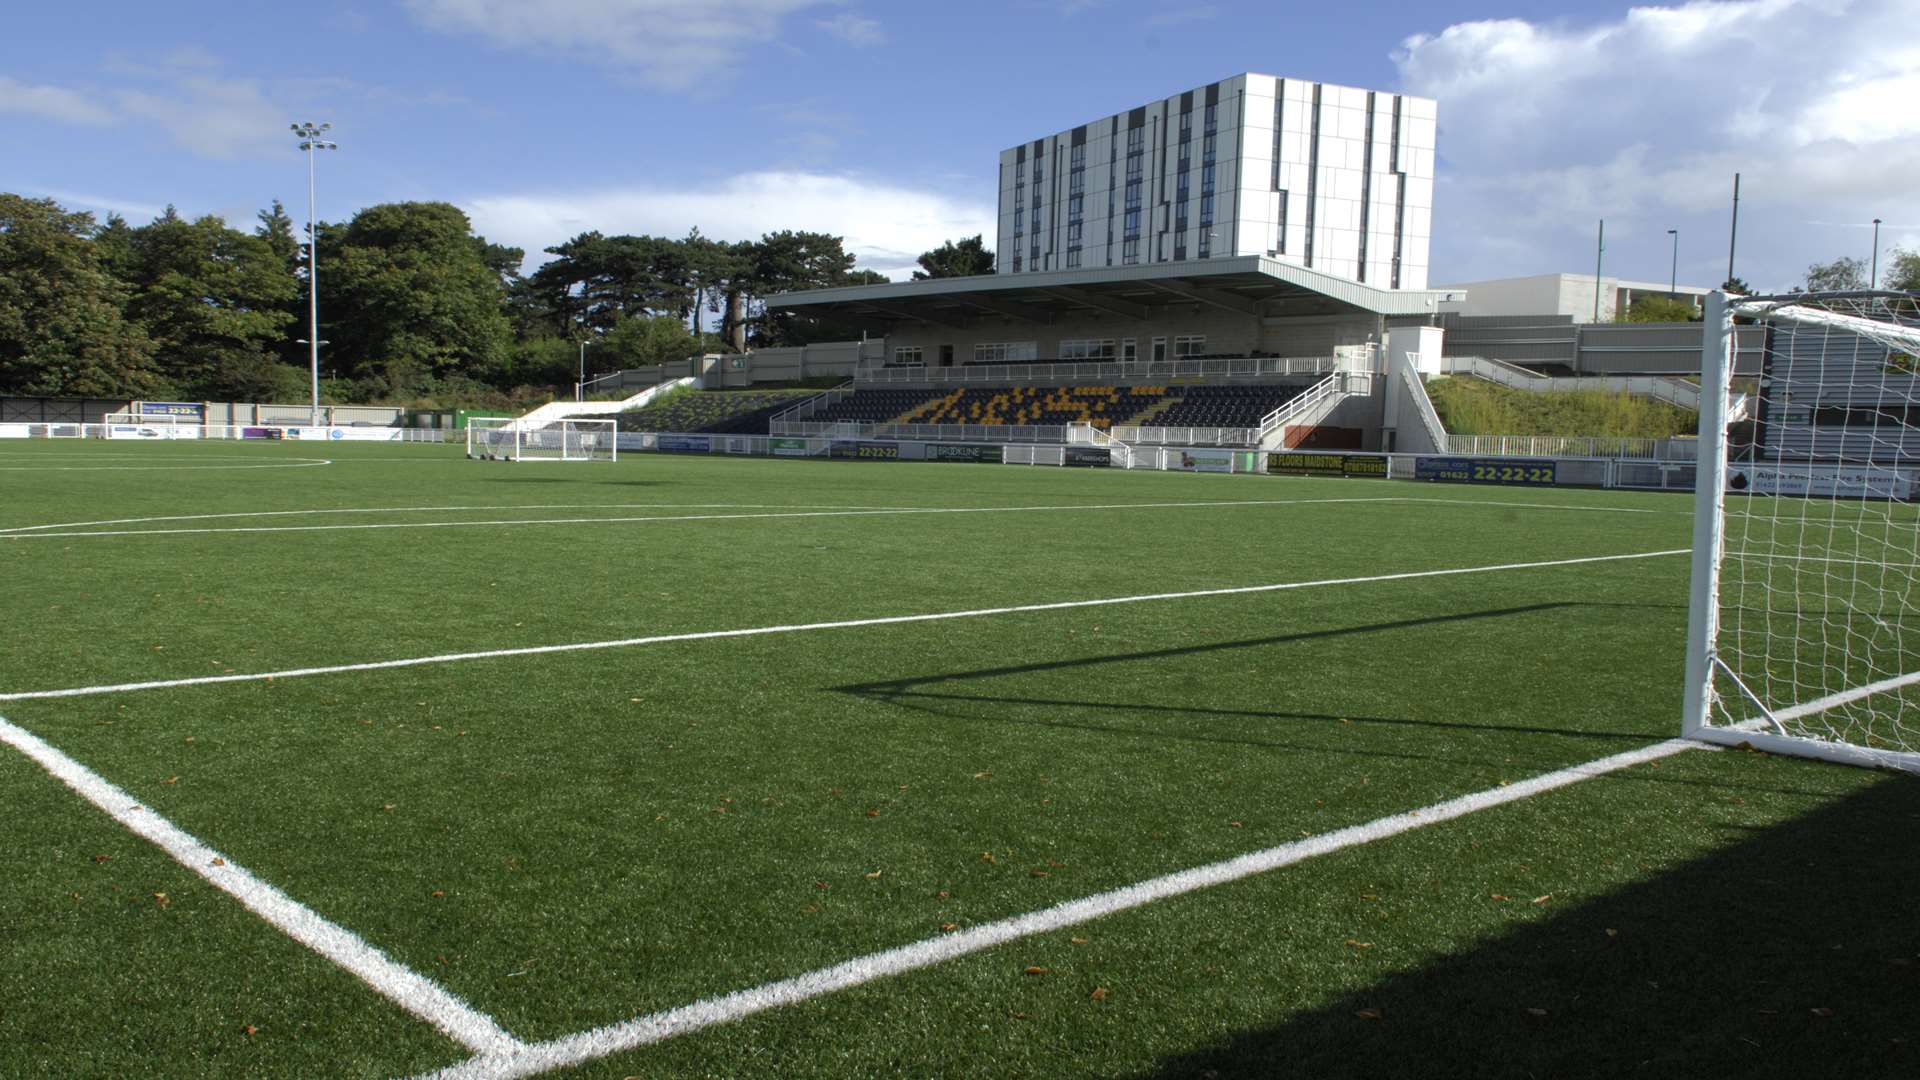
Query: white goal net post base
point(516, 439)
point(1803, 629)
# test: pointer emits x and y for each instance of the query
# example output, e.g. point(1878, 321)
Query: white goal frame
point(1708, 673)
point(564, 439)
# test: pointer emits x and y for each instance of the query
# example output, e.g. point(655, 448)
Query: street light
point(580, 388)
point(1874, 282)
point(1673, 281)
point(310, 141)
point(316, 399)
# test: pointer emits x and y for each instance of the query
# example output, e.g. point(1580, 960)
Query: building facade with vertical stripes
point(1332, 178)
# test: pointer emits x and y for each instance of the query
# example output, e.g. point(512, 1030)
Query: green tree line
point(416, 307)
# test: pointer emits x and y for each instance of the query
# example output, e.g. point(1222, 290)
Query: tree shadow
point(1794, 953)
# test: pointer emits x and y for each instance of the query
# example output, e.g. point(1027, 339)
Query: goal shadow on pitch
point(947, 695)
point(1790, 953)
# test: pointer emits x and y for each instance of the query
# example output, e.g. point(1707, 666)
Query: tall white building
point(1328, 177)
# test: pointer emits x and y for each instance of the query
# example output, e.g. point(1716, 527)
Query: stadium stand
point(874, 406)
point(728, 412)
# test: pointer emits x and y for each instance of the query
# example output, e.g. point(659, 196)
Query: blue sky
point(881, 121)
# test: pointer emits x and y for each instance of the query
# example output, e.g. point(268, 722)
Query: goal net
point(502, 439)
point(1806, 555)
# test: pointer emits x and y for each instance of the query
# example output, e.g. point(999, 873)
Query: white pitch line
point(297, 463)
point(445, 509)
point(570, 1050)
point(399, 984)
point(245, 529)
point(840, 624)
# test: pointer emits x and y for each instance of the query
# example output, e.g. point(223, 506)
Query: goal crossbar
point(521, 439)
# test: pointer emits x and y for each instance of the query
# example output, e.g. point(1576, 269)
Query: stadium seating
point(1224, 406)
point(1101, 406)
point(728, 412)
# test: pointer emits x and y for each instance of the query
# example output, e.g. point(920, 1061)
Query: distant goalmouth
point(1804, 621)
point(515, 439)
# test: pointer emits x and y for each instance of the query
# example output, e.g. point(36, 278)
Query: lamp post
point(1673, 278)
point(316, 399)
point(1874, 282)
point(311, 142)
point(580, 388)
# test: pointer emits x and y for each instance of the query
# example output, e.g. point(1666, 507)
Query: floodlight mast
point(311, 142)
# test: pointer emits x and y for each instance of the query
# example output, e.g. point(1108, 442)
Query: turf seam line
point(569, 1050)
point(437, 509)
point(23, 535)
point(840, 624)
point(398, 983)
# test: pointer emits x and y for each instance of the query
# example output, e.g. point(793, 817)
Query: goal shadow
point(1791, 953)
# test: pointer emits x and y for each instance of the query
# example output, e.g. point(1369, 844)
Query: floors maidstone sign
point(1327, 465)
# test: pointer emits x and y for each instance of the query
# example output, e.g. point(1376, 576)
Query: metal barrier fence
point(1097, 450)
point(1677, 449)
point(165, 429)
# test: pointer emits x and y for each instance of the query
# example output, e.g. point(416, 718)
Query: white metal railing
point(1081, 433)
point(1188, 436)
point(1340, 384)
point(1673, 391)
point(812, 405)
point(163, 428)
point(1106, 372)
point(1581, 446)
point(1423, 408)
point(1004, 433)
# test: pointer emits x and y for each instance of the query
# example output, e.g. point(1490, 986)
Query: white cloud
point(213, 117)
point(670, 43)
point(886, 226)
point(856, 30)
point(50, 102)
point(1644, 119)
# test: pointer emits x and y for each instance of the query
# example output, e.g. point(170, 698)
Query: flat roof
point(1252, 285)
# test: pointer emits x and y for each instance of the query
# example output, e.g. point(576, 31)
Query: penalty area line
point(396, 982)
point(839, 624)
point(570, 1050)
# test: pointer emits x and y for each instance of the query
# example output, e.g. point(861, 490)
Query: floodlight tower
point(311, 142)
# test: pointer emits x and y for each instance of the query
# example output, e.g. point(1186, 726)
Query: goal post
point(1803, 629)
point(566, 439)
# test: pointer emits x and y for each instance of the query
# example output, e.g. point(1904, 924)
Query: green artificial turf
point(573, 839)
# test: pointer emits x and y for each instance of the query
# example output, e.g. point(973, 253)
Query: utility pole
point(1874, 282)
point(1599, 260)
point(1673, 279)
point(1734, 236)
point(311, 142)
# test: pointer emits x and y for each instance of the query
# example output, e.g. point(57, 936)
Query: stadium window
point(1087, 349)
point(1129, 349)
point(1006, 352)
point(1189, 345)
point(909, 354)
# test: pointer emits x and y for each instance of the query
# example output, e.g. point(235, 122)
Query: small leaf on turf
point(1236, 824)
point(987, 857)
point(219, 862)
point(249, 1030)
point(1611, 932)
point(101, 858)
point(983, 776)
point(1369, 1014)
point(821, 885)
point(1542, 899)
point(1036, 970)
point(1078, 940)
point(439, 892)
point(1359, 944)
point(873, 875)
point(948, 928)
point(1099, 993)
point(1536, 1012)
point(873, 813)
point(1039, 873)
point(1823, 1012)
point(1498, 896)
point(161, 899)
point(171, 780)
